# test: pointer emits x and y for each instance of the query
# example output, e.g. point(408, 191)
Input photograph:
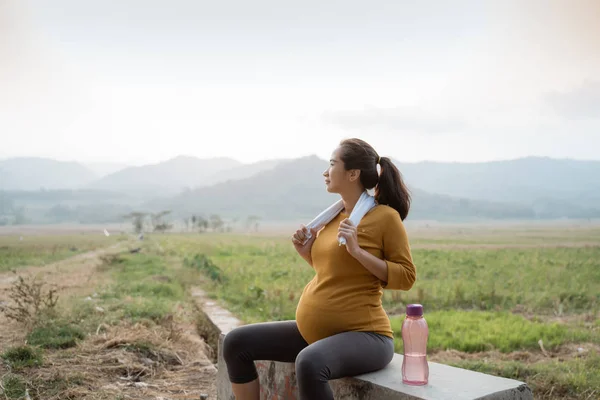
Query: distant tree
point(137, 220)
point(216, 223)
point(201, 223)
point(158, 225)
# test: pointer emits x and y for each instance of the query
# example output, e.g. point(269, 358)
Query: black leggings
point(338, 356)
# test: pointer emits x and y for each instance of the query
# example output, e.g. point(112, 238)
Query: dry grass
point(131, 361)
point(165, 359)
point(29, 299)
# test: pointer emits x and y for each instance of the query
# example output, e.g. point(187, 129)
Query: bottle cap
point(414, 310)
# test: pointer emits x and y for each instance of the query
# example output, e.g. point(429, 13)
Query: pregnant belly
point(315, 323)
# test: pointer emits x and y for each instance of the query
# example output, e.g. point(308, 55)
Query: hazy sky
point(144, 80)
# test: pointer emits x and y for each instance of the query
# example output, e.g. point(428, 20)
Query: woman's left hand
point(347, 230)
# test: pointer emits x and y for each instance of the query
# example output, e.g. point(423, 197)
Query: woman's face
point(337, 179)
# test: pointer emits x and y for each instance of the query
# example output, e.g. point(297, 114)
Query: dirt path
point(108, 361)
point(89, 259)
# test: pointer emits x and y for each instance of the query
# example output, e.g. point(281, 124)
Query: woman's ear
point(354, 174)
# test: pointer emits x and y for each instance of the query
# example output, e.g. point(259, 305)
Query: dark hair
point(389, 187)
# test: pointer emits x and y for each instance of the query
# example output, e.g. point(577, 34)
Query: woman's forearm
point(373, 264)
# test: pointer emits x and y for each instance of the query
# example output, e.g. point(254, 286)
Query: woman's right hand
point(304, 248)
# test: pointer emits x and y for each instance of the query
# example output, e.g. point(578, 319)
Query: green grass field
point(487, 308)
point(264, 277)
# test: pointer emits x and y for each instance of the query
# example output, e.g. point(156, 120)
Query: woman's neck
point(350, 199)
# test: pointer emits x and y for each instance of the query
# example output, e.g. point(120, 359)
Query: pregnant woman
point(341, 328)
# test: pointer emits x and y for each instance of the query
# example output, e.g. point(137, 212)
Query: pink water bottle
point(415, 332)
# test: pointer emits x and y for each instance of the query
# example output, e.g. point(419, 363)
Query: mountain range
point(285, 189)
point(28, 173)
point(164, 179)
point(531, 180)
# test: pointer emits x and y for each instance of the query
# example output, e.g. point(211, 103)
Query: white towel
point(363, 206)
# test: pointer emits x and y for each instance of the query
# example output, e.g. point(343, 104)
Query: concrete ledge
point(278, 382)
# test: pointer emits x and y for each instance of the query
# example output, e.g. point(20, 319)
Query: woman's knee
point(311, 365)
point(234, 343)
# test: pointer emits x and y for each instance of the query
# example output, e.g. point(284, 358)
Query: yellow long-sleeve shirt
point(343, 295)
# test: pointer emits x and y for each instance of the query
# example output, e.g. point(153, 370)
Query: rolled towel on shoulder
point(365, 203)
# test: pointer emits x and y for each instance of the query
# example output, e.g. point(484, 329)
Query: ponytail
point(389, 186)
point(391, 189)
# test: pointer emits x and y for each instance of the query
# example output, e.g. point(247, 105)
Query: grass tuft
point(204, 264)
point(22, 357)
point(14, 386)
point(55, 335)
